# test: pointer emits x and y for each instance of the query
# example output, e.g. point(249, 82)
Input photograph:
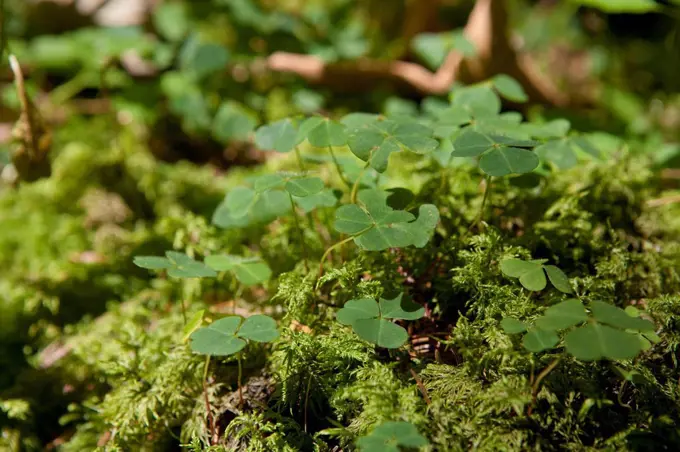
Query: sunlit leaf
point(322, 132)
point(218, 338)
point(400, 308)
point(325, 198)
point(563, 315)
point(558, 279)
point(388, 436)
point(380, 332)
point(617, 317)
point(537, 340)
point(192, 325)
point(508, 160)
point(259, 328)
point(248, 271)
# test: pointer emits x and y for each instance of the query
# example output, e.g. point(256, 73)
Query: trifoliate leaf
point(382, 226)
point(388, 436)
point(364, 308)
point(233, 122)
point(239, 201)
point(259, 328)
point(358, 119)
point(380, 332)
point(248, 271)
point(268, 182)
point(304, 186)
point(563, 315)
point(322, 132)
point(218, 338)
point(478, 101)
point(558, 279)
point(509, 88)
point(375, 141)
point(179, 265)
point(617, 317)
point(400, 308)
point(513, 326)
point(266, 207)
point(557, 152)
point(504, 160)
point(325, 198)
point(557, 128)
point(280, 136)
point(352, 219)
point(534, 279)
point(537, 340)
point(594, 341)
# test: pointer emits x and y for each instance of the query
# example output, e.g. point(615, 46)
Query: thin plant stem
point(355, 187)
point(309, 385)
point(300, 231)
point(337, 167)
point(537, 384)
point(480, 214)
point(208, 409)
point(328, 251)
point(301, 163)
point(26, 105)
point(184, 311)
point(240, 376)
point(339, 244)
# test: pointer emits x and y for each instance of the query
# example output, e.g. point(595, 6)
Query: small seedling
point(391, 437)
point(371, 320)
point(531, 274)
point(228, 336)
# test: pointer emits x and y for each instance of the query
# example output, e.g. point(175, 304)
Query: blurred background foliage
point(191, 80)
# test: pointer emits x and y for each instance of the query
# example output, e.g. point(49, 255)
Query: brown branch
point(486, 28)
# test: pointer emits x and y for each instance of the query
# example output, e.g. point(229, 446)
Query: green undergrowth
point(97, 353)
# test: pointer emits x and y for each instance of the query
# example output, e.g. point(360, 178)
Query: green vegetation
point(232, 253)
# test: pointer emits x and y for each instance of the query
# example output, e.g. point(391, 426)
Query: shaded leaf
point(192, 325)
point(502, 161)
point(233, 122)
point(594, 341)
point(558, 279)
point(617, 317)
point(563, 315)
point(400, 308)
point(517, 267)
point(534, 279)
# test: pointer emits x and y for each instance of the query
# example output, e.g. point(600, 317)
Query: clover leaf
point(531, 274)
point(304, 186)
point(478, 101)
point(325, 198)
point(563, 152)
point(608, 332)
point(509, 88)
point(369, 319)
point(377, 226)
point(228, 335)
point(433, 48)
point(243, 207)
point(178, 265)
point(248, 271)
point(375, 141)
point(280, 136)
point(322, 132)
point(389, 436)
point(233, 122)
point(500, 155)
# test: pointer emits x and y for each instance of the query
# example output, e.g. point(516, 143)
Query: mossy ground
point(91, 346)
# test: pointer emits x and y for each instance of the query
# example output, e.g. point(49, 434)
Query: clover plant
point(532, 273)
point(391, 437)
point(371, 320)
point(603, 331)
